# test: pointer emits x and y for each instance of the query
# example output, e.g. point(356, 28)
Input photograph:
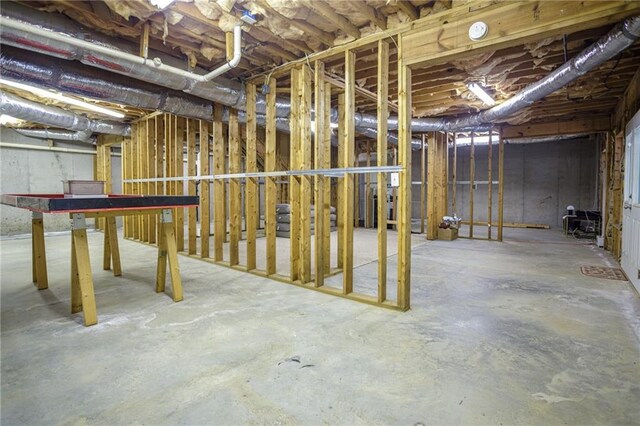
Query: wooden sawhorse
point(82, 293)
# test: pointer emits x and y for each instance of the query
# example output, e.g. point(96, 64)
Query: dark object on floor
point(604, 272)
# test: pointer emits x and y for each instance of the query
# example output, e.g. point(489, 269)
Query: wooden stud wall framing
point(437, 182)
point(157, 150)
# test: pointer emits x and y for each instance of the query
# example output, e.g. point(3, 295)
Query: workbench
point(107, 208)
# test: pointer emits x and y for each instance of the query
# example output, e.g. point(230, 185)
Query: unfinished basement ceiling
point(194, 31)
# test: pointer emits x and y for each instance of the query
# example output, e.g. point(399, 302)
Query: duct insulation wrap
point(59, 135)
point(26, 28)
point(24, 109)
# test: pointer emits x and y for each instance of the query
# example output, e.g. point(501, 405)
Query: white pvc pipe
point(155, 63)
point(52, 148)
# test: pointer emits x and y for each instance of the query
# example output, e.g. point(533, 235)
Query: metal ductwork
point(33, 30)
point(24, 109)
point(59, 135)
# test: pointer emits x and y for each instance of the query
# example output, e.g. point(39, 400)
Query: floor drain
point(604, 272)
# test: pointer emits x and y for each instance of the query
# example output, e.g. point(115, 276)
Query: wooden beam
point(423, 181)
point(500, 186)
point(178, 218)
point(191, 185)
point(432, 222)
point(490, 185)
point(472, 177)
point(294, 181)
point(251, 184)
point(270, 182)
point(329, 12)
point(585, 125)
point(327, 183)
point(408, 9)
point(381, 155)
point(360, 91)
point(205, 190)
point(373, 15)
point(404, 160)
point(305, 181)
point(144, 40)
point(235, 196)
point(510, 24)
point(341, 180)
point(324, 37)
point(348, 190)
point(219, 214)
point(319, 193)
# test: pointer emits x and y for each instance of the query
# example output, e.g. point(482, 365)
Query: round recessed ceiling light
point(478, 30)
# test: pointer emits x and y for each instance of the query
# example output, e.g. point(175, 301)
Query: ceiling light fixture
point(481, 94)
point(161, 4)
point(61, 98)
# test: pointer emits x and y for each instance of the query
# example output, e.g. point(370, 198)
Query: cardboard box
point(448, 234)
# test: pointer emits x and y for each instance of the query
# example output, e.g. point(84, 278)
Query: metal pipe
point(336, 172)
point(60, 135)
point(52, 148)
point(30, 29)
point(24, 109)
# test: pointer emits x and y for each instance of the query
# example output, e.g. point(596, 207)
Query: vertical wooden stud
point(205, 186)
point(304, 151)
point(383, 114)
point(341, 180)
point(219, 216)
point(348, 184)
point(294, 181)
point(251, 184)
point(319, 192)
point(404, 160)
point(270, 182)
point(235, 200)
point(327, 182)
point(191, 184)
point(472, 182)
point(490, 187)
point(500, 185)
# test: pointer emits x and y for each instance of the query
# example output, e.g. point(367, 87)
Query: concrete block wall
point(541, 180)
point(31, 171)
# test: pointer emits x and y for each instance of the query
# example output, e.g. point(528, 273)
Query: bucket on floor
point(600, 241)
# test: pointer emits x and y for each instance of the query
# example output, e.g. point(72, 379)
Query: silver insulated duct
point(24, 109)
point(59, 135)
point(33, 30)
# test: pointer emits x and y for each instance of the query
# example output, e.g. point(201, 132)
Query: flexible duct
point(24, 109)
point(33, 36)
point(59, 135)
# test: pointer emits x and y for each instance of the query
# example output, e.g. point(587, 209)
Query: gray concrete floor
point(507, 333)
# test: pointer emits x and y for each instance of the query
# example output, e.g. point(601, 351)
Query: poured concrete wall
point(31, 171)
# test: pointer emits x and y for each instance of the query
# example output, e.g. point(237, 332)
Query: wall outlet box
point(395, 180)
